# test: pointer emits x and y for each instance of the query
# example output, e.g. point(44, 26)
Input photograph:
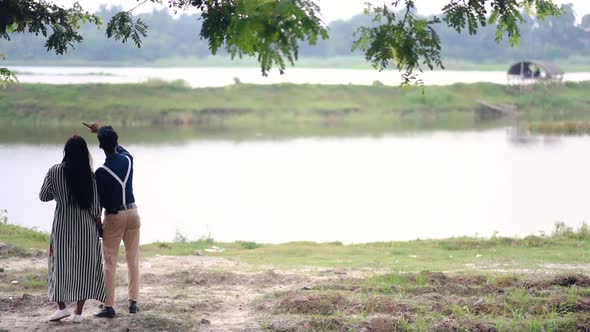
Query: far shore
point(289, 109)
point(574, 64)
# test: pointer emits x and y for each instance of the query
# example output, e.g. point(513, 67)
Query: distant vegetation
point(282, 109)
point(174, 39)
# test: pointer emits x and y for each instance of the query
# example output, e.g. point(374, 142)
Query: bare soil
point(203, 293)
point(178, 293)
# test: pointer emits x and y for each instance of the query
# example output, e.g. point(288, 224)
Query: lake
point(217, 77)
point(361, 189)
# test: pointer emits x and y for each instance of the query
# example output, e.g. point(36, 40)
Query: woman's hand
point(98, 222)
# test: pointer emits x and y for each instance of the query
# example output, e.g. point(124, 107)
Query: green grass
point(26, 281)
point(415, 255)
point(244, 105)
point(23, 238)
point(561, 128)
point(400, 285)
point(237, 106)
point(428, 301)
point(175, 111)
point(564, 246)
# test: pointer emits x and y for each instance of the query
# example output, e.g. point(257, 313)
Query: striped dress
point(75, 268)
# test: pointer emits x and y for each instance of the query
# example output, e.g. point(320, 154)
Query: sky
point(331, 9)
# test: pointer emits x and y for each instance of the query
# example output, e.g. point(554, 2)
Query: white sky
point(331, 9)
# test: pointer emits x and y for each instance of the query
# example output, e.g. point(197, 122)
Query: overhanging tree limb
point(271, 30)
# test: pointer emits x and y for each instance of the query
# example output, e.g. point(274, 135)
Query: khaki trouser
point(121, 226)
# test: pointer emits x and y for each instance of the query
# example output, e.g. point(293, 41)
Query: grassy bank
point(282, 107)
point(561, 128)
point(536, 283)
point(431, 301)
point(565, 247)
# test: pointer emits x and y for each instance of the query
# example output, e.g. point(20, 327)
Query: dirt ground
point(203, 293)
point(178, 293)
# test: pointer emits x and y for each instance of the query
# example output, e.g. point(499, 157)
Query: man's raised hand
point(92, 127)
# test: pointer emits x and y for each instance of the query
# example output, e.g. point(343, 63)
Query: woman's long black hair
point(78, 170)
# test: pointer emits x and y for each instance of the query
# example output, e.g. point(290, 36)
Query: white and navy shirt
point(115, 181)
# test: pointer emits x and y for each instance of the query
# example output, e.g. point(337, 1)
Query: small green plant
point(536, 325)
point(565, 308)
point(517, 313)
point(501, 325)
point(562, 230)
point(534, 241)
point(521, 296)
point(180, 238)
point(36, 281)
point(551, 325)
point(583, 232)
point(249, 245)
point(370, 303)
point(3, 216)
point(420, 279)
point(402, 325)
point(419, 325)
point(460, 311)
point(490, 279)
point(395, 278)
point(573, 295)
point(207, 239)
point(386, 283)
point(164, 245)
point(570, 304)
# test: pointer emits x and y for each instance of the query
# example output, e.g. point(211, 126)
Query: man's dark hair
point(108, 138)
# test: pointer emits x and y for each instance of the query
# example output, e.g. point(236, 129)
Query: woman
point(75, 266)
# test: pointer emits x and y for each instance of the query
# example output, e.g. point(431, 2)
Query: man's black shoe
point(133, 307)
point(106, 312)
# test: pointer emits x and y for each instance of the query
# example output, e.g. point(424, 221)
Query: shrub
point(249, 245)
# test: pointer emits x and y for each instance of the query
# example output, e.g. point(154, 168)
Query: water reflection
point(521, 136)
point(182, 134)
point(350, 189)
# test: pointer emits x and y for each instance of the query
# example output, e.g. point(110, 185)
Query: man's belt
point(127, 207)
point(122, 208)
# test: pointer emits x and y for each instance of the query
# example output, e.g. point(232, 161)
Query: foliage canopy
point(270, 30)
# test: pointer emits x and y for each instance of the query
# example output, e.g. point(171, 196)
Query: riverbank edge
point(566, 245)
point(573, 64)
point(287, 106)
point(212, 286)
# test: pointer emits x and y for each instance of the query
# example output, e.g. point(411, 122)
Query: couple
point(75, 271)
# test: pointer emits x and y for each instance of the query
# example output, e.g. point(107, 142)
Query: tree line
point(178, 36)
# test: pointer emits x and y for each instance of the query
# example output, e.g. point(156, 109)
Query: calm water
point(395, 187)
point(216, 77)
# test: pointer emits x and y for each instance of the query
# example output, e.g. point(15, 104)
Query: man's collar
point(112, 156)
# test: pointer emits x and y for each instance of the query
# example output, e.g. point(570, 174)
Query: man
point(114, 181)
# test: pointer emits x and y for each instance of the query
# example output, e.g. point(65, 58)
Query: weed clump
point(435, 301)
point(248, 245)
point(311, 304)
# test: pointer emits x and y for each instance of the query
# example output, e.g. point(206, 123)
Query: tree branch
point(137, 6)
